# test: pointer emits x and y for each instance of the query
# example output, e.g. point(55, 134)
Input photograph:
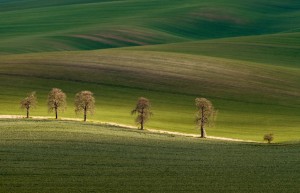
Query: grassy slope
point(278, 49)
point(51, 156)
point(252, 98)
point(268, 94)
point(35, 26)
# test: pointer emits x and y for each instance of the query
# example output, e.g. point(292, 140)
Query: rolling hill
point(242, 55)
point(280, 49)
point(36, 26)
point(269, 94)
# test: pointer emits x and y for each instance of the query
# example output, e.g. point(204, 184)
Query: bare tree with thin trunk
point(143, 110)
point(28, 102)
point(84, 101)
point(56, 101)
point(204, 115)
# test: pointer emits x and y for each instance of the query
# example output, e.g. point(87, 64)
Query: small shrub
point(269, 137)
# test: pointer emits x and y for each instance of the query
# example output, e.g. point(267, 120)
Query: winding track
point(129, 127)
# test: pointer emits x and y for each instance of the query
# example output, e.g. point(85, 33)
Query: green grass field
point(239, 90)
point(61, 156)
point(35, 26)
point(277, 49)
point(243, 56)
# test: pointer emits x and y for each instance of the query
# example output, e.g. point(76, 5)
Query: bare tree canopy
point(56, 101)
point(143, 110)
point(84, 101)
point(269, 137)
point(29, 102)
point(204, 115)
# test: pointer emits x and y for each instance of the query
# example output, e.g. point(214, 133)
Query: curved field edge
point(62, 156)
point(252, 98)
point(277, 49)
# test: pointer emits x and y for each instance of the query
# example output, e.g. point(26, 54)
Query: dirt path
point(129, 127)
point(198, 136)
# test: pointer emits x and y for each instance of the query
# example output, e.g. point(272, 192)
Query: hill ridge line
point(158, 131)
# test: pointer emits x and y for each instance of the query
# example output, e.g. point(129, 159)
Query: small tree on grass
point(143, 110)
point(204, 115)
point(84, 101)
point(269, 137)
point(28, 102)
point(56, 101)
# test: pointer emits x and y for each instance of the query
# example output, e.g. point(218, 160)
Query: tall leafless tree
point(143, 110)
point(84, 101)
point(56, 101)
point(29, 102)
point(205, 114)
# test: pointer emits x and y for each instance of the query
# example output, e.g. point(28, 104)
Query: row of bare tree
point(85, 102)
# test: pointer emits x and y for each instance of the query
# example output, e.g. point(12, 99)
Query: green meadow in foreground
point(61, 156)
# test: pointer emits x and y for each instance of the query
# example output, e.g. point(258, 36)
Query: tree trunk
point(202, 123)
point(84, 118)
point(142, 120)
point(202, 132)
point(27, 113)
point(56, 113)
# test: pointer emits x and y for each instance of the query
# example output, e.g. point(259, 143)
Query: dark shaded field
point(50, 156)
